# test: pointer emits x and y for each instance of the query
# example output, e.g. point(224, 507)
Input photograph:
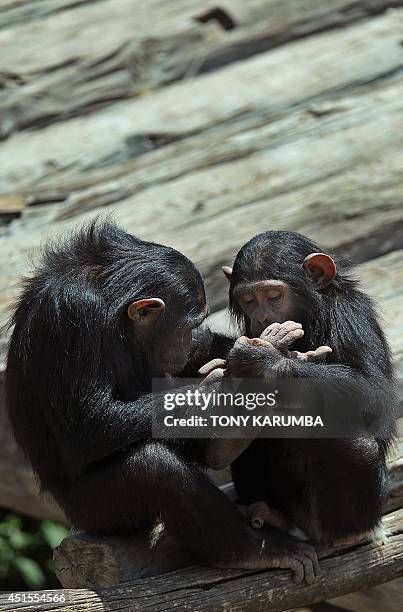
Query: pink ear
point(228, 272)
point(152, 307)
point(320, 267)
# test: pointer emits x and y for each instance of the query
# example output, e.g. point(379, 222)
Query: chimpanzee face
point(168, 349)
point(264, 303)
point(173, 351)
point(268, 301)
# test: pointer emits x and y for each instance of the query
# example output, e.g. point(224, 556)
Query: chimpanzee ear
point(228, 272)
point(145, 311)
point(320, 268)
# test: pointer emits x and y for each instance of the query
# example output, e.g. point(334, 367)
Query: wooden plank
point(386, 598)
point(214, 589)
point(275, 81)
point(12, 204)
point(337, 178)
point(54, 65)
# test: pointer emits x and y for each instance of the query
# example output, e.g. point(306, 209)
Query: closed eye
point(247, 300)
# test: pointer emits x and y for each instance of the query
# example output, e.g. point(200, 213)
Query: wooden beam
point(52, 66)
point(84, 560)
point(311, 150)
point(201, 588)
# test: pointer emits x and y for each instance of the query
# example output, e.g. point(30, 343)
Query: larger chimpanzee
point(288, 293)
point(103, 314)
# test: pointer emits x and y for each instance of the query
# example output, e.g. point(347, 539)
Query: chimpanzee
point(104, 313)
point(287, 294)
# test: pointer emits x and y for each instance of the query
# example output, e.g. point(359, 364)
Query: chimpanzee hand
point(277, 335)
point(320, 353)
point(282, 335)
point(272, 549)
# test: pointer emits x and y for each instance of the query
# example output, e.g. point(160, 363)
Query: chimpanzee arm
point(206, 345)
point(101, 425)
point(375, 394)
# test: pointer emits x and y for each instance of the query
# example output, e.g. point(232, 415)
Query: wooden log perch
point(83, 561)
point(202, 588)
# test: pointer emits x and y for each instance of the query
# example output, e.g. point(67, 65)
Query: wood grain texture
point(316, 150)
point(54, 64)
point(201, 588)
point(200, 130)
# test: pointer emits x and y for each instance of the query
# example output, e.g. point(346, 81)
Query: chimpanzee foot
point(274, 550)
point(260, 513)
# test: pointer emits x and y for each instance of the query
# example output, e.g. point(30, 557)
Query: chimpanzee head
point(279, 276)
point(106, 295)
point(157, 293)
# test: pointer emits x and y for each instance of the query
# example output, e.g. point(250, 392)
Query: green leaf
point(30, 571)
point(11, 523)
point(53, 533)
point(21, 539)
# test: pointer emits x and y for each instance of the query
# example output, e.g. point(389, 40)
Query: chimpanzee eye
point(248, 300)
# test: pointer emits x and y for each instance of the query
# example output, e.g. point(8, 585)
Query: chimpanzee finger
point(291, 325)
point(213, 377)
point(286, 328)
point(310, 552)
point(270, 330)
point(211, 365)
point(297, 568)
point(298, 355)
point(323, 351)
point(260, 513)
point(309, 570)
point(241, 340)
point(290, 337)
point(319, 353)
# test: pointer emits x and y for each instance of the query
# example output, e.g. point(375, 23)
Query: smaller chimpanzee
point(287, 294)
point(103, 314)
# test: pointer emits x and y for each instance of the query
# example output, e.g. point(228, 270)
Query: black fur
point(78, 387)
point(79, 392)
point(332, 488)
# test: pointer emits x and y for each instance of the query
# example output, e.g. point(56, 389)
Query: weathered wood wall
point(142, 109)
point(307, 136)
point(200, 127)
